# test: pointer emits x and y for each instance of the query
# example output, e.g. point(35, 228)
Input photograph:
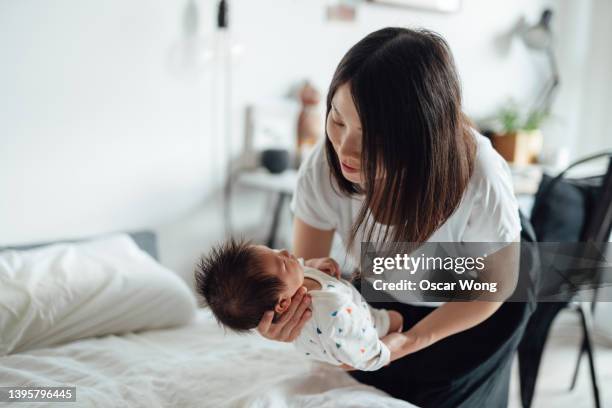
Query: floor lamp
point(539, 37)
point(225, 70)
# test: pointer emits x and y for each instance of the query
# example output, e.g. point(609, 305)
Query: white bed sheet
point(194, 365)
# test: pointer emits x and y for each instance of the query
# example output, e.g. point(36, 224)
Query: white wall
point(97, 133)
point(596, 110)
point(584, 104)
point(288, 39)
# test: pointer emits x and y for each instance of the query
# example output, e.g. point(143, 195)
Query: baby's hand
point(327, 265)
point(396, 321)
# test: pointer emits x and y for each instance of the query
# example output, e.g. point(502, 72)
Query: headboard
point(146, 240)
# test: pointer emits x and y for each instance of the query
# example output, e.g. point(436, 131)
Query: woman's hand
point(400, 345)
point(327, 265)
point(290, 324)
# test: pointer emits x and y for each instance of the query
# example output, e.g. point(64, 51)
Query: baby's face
point(283, 265)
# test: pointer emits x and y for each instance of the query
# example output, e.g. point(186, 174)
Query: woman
point(401, 163)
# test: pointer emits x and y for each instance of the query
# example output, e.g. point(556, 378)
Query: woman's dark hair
point(408, 97)
point(234, 284)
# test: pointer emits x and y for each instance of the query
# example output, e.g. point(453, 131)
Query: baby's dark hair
point(235, 286)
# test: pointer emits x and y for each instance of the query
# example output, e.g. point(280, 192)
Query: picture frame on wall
point(440, 6)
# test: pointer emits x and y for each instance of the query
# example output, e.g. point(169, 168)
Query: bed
point(138, 359)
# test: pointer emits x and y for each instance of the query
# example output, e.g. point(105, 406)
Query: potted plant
point(519, 138)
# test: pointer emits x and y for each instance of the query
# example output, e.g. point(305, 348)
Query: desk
point(283, 184)
point(525, 180)
point(261, 179)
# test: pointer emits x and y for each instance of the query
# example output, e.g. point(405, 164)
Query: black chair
point(566, 210)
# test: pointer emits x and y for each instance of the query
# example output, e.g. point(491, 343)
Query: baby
point(240, 282)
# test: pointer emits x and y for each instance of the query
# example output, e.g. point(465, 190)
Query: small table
point(525, 179)
point(282, 184)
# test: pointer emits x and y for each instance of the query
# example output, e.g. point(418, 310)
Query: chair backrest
point(573, 210)
point(600, 223)
point(567, 211)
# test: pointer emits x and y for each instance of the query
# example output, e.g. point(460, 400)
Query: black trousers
point(469, 369)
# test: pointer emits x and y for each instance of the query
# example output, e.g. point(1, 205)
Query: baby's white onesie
point(343, 328)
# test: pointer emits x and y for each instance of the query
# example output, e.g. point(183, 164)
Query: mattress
point(193, 365)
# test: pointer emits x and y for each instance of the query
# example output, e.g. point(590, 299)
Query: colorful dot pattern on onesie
point(352, 338)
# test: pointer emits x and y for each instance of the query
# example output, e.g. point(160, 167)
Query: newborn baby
point(240, 282)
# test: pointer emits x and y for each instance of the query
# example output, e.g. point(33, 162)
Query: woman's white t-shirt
point(488, 211)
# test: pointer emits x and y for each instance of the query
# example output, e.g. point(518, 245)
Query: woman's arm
point(308, 242)
point(448, 319)
point(454, 317)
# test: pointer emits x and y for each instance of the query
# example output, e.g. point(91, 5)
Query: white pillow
point(64, 292)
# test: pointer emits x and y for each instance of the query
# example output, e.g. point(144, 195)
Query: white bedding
point(65, 292)
point(194, 365)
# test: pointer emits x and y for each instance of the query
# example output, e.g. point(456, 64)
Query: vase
point(275, 160)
